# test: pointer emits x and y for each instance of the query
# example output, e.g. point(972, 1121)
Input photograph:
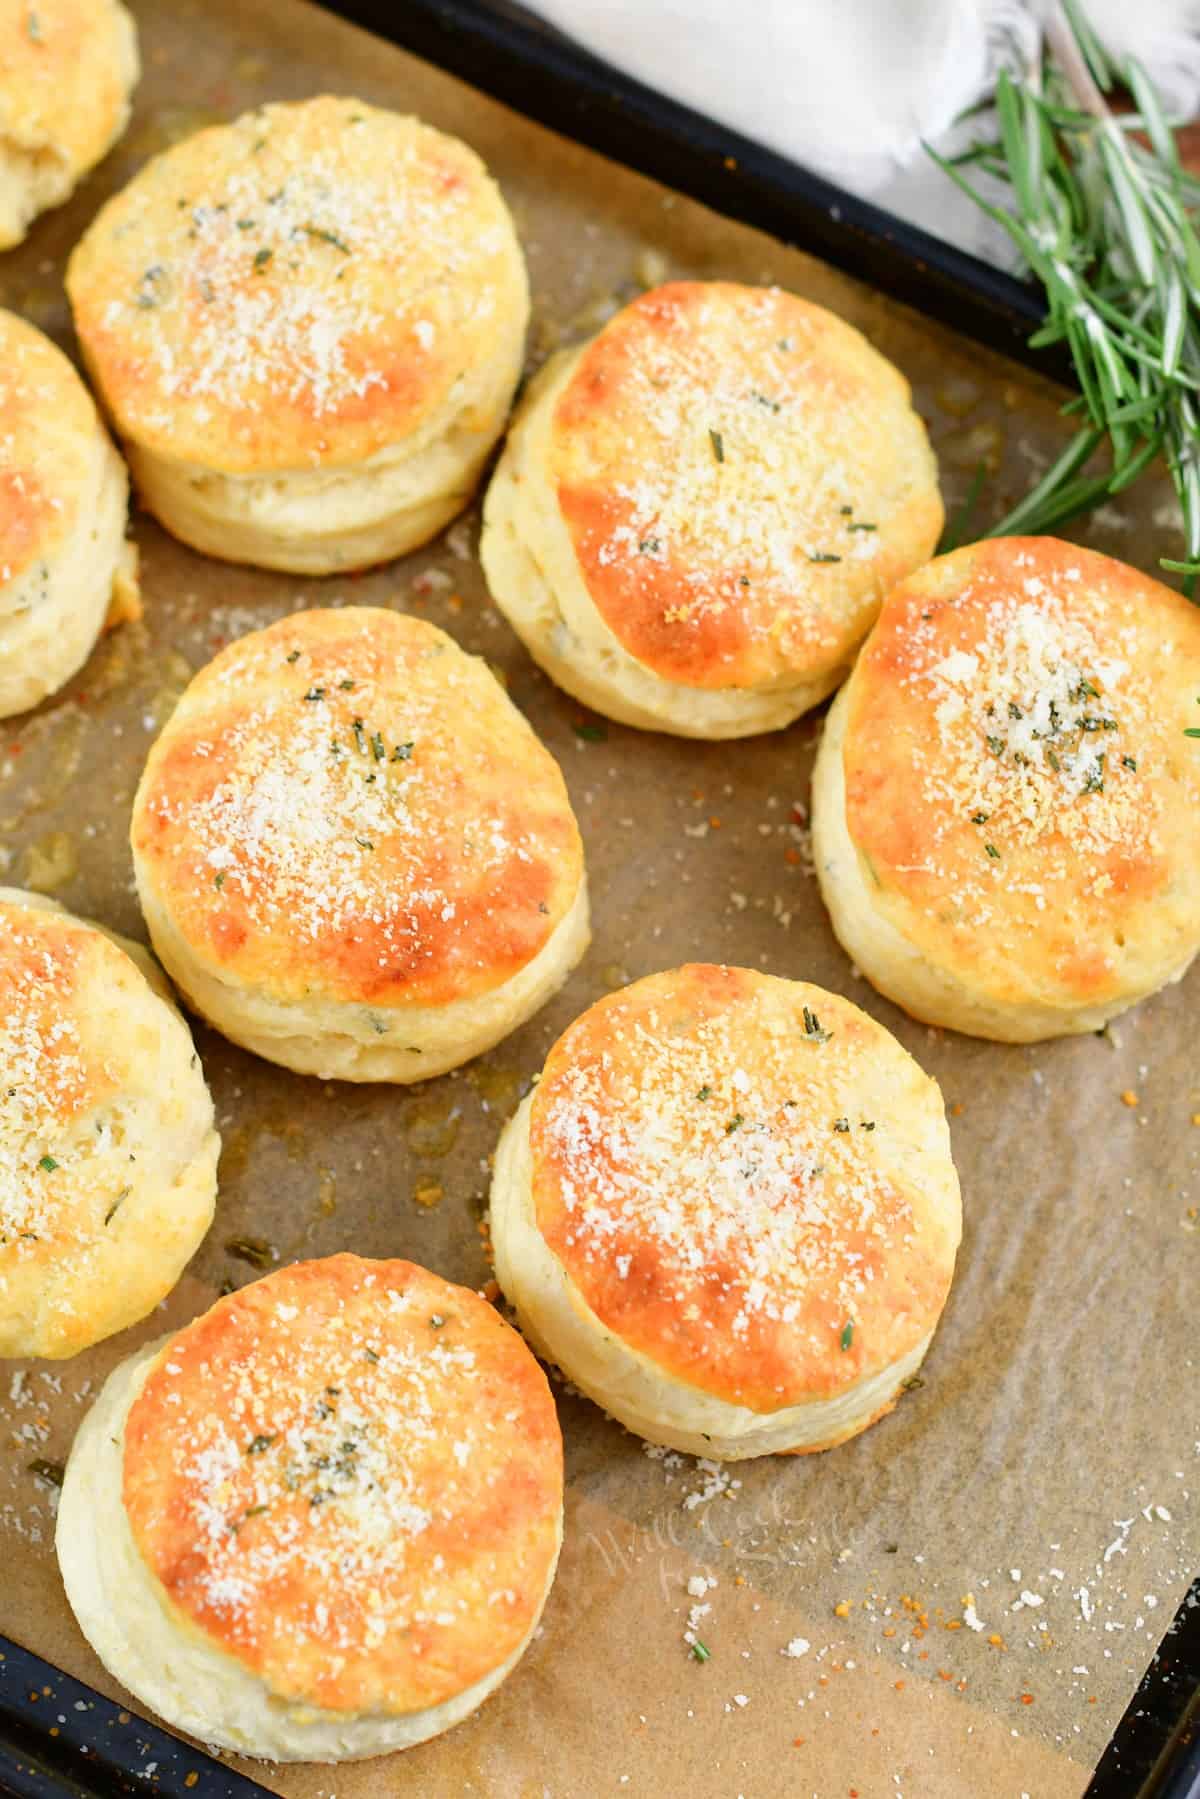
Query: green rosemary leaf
point(1083, 446)
point(1123, 478)
point(958, 528)
point(1140, 242)
point(1134, 411)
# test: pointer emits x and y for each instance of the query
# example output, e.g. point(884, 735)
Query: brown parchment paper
point(1047, 1467)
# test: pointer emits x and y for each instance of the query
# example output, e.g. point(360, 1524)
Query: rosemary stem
point(1064, 47)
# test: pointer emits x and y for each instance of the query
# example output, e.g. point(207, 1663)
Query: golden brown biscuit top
point(748, 1181)
point(349, 1476)
point(1018, 781)
point(65, 1143)
point(65, 70)
point(742, 477)
point(301, 287)
point(346, 807)
point(48, 429)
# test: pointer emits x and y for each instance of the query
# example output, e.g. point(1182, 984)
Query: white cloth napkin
point(852, 87)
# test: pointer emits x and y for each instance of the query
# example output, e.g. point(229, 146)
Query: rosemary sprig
point(1104, 222)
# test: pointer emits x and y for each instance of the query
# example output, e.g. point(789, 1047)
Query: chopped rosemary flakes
point(254, 1511)
point(261, 259)
point(992, 851)
point(841, 1124)
point(591, 733)
point(812, 1028)
point(293, 656)
point(325, 237)
point(822, 556)
point(649, 546)
point(263, 1441)
point(48, 1163)
point(847, 1336)
point(705, 1092)
point(146, 294)
point(219, 880)
point(315, 693)
point(718, 444)
point(52, 1473)
point(735, 1124)
point(700, 1651)
point(1130, 762)
point(255, 1250)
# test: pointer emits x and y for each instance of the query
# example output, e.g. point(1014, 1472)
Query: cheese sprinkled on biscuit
point(49, 1081)
point(48, 430)
point(742, 478)
point(728, 1167)
point(66, 71)
point(349, 1476)
point(304, 286)
point(344, 805)
point(107, 1149)
point(1018, 785)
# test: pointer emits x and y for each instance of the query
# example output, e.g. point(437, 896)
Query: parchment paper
point(1047, 1466)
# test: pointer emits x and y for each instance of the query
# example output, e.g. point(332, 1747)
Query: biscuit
point(1005, 802)
point(729, 1213)
point(65, 563)
point(308, 326)
point(320, 1522)
point(353, 855)
point(697, 513)
point(67, 69)
point(108, 1156)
